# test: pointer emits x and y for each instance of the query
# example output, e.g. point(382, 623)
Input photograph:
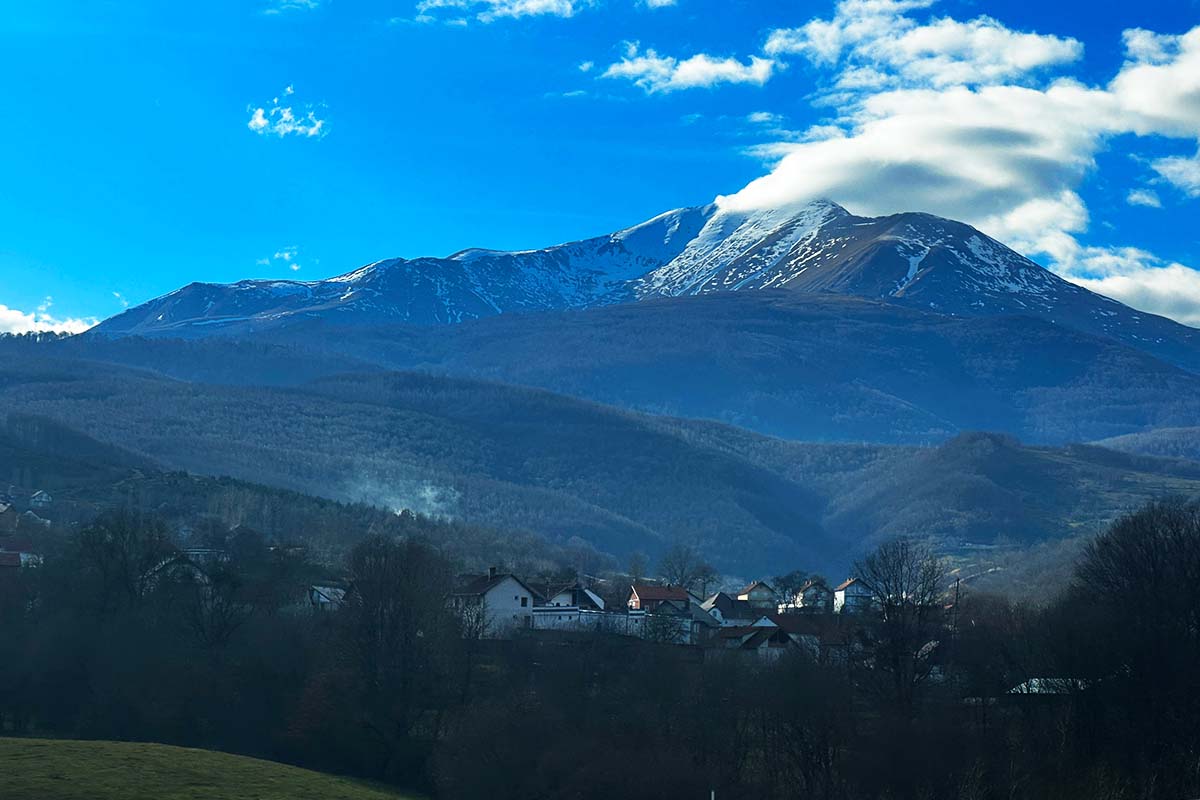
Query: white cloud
point(279, 120)
point(1143, 197)
point(120, 298)
point(283, 6)
point(1144, 282)
point(876, 40)
point(1150, 47)
point(41, 321)
point(763, 118)
point(658, 3)
point(656, 73)
point(974, 121)
point(283, 257)
point(1181, 172)
point(491, 10)
point(586, 66)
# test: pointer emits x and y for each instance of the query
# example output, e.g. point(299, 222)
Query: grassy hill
point(42, 769)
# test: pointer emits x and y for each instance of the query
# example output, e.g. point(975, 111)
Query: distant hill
point(1163, 442)
point(581, 475)
point(492, 455)
point(62, 769)
point(87, 478)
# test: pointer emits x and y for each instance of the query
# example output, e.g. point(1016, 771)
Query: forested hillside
point(88, 479)
point(587, 478)
point(801, 366)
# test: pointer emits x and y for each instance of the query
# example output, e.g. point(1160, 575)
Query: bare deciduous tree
point(906, 580)
point(681, 565)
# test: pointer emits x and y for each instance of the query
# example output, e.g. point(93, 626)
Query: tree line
point(120, 636)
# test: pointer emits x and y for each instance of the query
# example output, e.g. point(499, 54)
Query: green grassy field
point(41, 769)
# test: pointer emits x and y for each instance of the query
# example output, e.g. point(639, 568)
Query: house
point(814, 597)
point(659, 599)
point(852, 596)
point(759, 595)
point(326, 598)
point(493, 605)
point(575, 595)
point(40, 499)
point(770, 636)
point(728, 610)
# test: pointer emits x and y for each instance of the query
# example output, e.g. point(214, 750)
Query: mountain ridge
point(910, 259)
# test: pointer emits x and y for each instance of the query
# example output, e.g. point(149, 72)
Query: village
point(499, 605)
point(756, 619)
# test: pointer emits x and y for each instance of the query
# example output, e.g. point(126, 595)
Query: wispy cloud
point(40, 320)
point(284, 6)
point(277, 119)
point(1143, 197)
point(120, 298)
point(1181, 172)
point(459, 11)
point(657, 73)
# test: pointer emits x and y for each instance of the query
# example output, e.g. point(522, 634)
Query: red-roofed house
point(651, 598)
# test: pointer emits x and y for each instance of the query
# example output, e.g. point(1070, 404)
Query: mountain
point(814, 367)
point(915, 260)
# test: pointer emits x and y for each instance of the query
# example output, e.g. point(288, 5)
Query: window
point(524, 602)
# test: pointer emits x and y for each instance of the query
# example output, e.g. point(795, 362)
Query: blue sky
point(147, 145)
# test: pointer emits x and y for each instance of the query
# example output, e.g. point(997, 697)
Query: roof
point(730, 607)
point(1050, 686)
point(580, 595)
point(754, 637)
point(701, 615)
point(647, 591)
point(753, 586)
point(10, 559)
point(333, 594)
point(848, 583)
point(479, 585)
point(818, 583)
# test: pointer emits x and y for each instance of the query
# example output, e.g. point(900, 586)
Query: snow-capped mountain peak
point(911, 259)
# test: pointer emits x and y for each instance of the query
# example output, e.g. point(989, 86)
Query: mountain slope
point(577, 474)
point(493, 455)
point(812, 367)
point(467, 285)
point(1162, 442)
point(916, 260)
